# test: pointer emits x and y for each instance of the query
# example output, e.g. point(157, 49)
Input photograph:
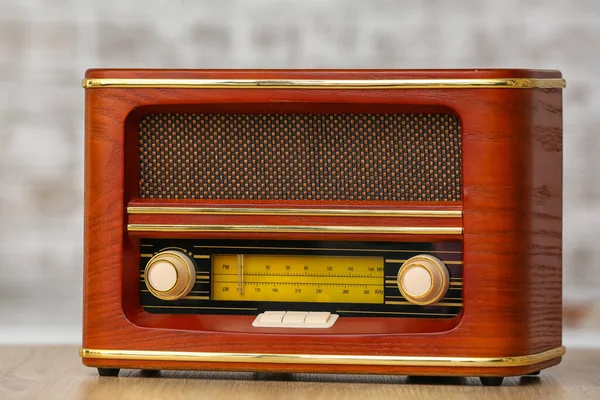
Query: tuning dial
point(423, 279)
point(170, 275)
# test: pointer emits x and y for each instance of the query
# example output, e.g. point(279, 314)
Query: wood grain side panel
point(545, 230)
point(493, 161)
point(103, 214)
point(508, 230)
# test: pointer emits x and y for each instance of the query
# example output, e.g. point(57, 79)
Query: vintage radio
point(360, 221)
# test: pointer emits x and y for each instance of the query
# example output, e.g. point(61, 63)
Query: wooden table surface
point(57, 373)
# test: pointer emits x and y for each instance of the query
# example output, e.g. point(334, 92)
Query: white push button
point(317, 317)
point(320, 319)
point(272, 317)
point(294, 317)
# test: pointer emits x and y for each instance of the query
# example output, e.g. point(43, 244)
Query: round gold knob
point(423, 279)
point(170, 275)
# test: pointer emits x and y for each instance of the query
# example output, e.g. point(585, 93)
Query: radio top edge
point(323, 78)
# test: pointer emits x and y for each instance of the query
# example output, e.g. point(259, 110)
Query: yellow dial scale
point(298, 278)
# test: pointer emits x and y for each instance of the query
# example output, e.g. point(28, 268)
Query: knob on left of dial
point(170, 275)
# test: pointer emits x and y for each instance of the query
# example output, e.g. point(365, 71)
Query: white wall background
point(45, 46)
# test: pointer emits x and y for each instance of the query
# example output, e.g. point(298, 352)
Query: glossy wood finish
point(308, 368)
point(55, 373)
point(512, 182)
point(301, 220)
point(323, 74)
point(239, 323)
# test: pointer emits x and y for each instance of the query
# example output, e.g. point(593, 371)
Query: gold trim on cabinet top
point(401, 230)
point(500, 83)
point(329, 359)
point(293, 211)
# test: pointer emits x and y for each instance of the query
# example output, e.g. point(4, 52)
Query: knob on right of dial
point(423, 279)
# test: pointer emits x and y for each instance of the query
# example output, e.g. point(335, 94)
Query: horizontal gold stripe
point(325, 248)
point(405, 230)
point(445, 298)
point(147, 255)
point(295, 211)
point(393, 261)
point(188, 297)
point(196, 298)
point(407, 303)
point(329, 359)
point(442, 83)
point(203, 256)
point(193, 291)
point(395, 277)
point(397, 313)
point(198, 278)
point(395, 282)
point(205, 308)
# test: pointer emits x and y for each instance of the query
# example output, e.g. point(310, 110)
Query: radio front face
point(393, 222)
point(301, 220)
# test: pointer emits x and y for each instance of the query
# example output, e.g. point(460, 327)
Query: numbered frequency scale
point(279, 280)
point(306, 278)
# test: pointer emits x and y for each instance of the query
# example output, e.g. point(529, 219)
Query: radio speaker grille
point(401, 157)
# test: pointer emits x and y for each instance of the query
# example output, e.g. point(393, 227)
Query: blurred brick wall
point(46, 46)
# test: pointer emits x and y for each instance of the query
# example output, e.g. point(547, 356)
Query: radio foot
point(533, 373)
point(491, 380)
point(273, 376)
point(150, 373)
point(108, 371)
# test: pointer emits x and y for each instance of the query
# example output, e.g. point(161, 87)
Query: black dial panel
point(385, 299)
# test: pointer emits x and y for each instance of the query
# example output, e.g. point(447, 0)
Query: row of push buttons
point(295, 319)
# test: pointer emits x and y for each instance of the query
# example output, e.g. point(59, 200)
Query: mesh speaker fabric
point(352, 157)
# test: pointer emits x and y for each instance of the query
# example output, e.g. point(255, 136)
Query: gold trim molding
point(400, 230)
point(499, 83)
point(293, 211)
point(327, 359)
